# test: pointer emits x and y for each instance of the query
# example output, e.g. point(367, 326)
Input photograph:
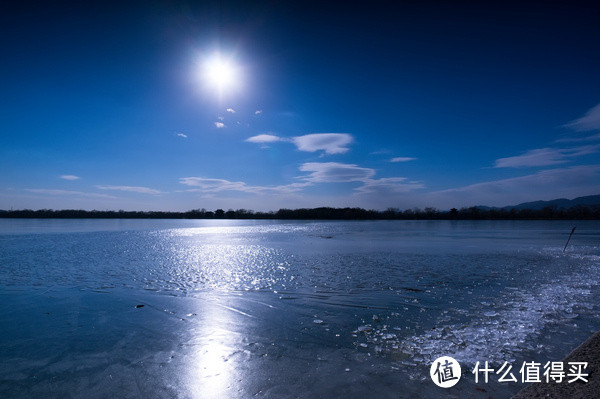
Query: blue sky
point(374, 105)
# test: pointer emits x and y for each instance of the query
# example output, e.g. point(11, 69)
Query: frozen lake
point(286, 309)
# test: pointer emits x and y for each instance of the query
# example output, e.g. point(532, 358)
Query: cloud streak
point(590, 121)
point(389, 185)
point(546, 156)
point(402, 159)
point(264, 138)
point(132, 189)
point(47, 191)
point(70, 177)
point(334, 172)
point(317, 173)
point(330, 143)
point(545, 184)
point(208, 185)
point(593, 137)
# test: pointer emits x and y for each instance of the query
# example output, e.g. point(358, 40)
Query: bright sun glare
point(220, 73)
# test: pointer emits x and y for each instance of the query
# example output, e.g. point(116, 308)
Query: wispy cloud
point(545, 184)
point(231, 110)
point(334, 172)
point(258, 112)
point(264, 138)
point(70, 177)
point(213, 185)
point(207, 185)
point(389, 185)
point(546, 156)
point(318, 173)
point(331, 143)
point(219, 125)
point(380, 152)
point(47, 191)
point(593, 137)
point(132, 189)
point(402, 159)
point(182, 135)
point(590, 121)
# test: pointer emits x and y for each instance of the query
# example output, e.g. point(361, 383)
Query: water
point(286, 309)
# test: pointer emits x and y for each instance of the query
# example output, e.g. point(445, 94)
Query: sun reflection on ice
point(218, 260)
point(214, 368)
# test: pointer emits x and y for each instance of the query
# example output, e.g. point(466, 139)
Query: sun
point(220, 74)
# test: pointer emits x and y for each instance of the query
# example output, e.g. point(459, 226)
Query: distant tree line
point(325, 213)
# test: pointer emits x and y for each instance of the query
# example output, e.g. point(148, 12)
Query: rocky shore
point(588, 352)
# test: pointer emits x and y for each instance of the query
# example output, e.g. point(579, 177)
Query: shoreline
point(588, 351)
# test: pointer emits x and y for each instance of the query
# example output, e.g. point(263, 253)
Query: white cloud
point(221, 118)
point(206, 185)
point(67, 193)
point(219, 125)
point(182, 135)
point(212, 185)
point(590, 121)
point(70, 177)
point(258, 112)
point(545, 156)
point(264, 138)
point(318, 173)
point(593, 137)
point(334, 172)
point(388, 185)
point(402, 159)
point(133, 189)
point(544, 185)
point(231, 110)
point(331, 143)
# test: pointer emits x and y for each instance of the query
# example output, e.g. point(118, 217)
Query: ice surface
point(239, 309)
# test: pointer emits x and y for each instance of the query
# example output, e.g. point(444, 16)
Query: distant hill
point(561, 203)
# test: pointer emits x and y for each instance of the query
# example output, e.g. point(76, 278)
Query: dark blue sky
point(377, 105)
